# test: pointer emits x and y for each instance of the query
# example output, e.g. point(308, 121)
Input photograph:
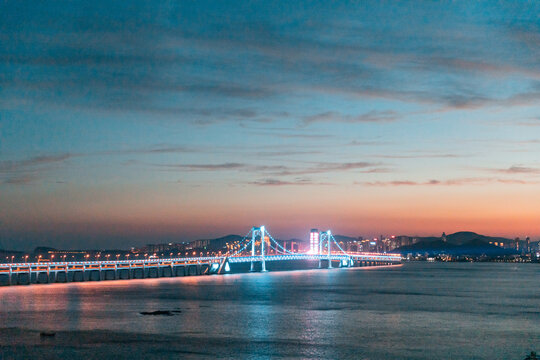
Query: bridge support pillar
point(253, 233)
point(263, 261)
point(320, 250)
point(329, 249)
point(224, 267)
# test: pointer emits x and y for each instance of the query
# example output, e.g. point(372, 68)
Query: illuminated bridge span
point(251, 250)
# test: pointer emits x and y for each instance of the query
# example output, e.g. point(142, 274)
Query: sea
point(416, 310)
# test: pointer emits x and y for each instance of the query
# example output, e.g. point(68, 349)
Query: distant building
point(314, 241)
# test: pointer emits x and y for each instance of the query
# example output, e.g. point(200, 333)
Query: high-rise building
point(314, 241)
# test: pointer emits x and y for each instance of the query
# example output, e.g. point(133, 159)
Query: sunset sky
point(124, 123)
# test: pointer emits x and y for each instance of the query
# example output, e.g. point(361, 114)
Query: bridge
point(252, 250)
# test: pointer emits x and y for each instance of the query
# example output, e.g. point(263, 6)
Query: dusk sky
point(124, 123)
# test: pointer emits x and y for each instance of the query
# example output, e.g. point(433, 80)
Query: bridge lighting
point(314, 241)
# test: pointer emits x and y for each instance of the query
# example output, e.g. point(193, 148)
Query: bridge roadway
point(63, 272)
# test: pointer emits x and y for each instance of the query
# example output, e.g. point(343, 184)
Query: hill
point(463, 237)
point(461, 243)
point(344, 238)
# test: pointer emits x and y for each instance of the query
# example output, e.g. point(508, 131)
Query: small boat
point(47, 334)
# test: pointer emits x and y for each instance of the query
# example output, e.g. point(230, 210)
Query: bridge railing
point(89, 265)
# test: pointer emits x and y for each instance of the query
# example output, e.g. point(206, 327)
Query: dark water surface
point(414, 311)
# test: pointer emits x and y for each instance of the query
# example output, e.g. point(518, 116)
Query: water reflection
point(417, 311)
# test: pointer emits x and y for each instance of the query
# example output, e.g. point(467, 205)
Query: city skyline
point(125, 124)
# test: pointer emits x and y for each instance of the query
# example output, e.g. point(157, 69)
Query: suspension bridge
point(257, 248)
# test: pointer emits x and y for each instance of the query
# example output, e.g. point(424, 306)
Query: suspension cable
point(245, 246)
point(281, 247)
point(339, 247)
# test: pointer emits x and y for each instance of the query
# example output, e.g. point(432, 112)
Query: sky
point(125, 123)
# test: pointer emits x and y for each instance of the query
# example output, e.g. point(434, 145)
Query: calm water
point(415, 311)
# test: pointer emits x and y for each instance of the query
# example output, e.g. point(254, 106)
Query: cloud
point(334, 116)
point(368, 142)
point(419, 156)
point(177, 149)
point(8, 166)
point(114, 58)
point(518, 169)
point(530, 122)
point(157, 149)
point(325, 167)
point(450, 182)
point(282, 170)
point(295, 136)
point(285, 153)
point(276, 182)
point(21, 180)
point(207, 167)
point(26, 171)
point(29, 170)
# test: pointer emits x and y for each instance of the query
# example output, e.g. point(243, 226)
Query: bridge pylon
point(254, 232)
point(325, 236)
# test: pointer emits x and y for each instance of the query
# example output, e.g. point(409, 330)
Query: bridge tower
point(254, 232)
point(327, 235)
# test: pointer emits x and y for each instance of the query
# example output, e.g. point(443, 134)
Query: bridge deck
point(129, 269)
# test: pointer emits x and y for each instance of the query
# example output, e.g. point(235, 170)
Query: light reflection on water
point(416, 311)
